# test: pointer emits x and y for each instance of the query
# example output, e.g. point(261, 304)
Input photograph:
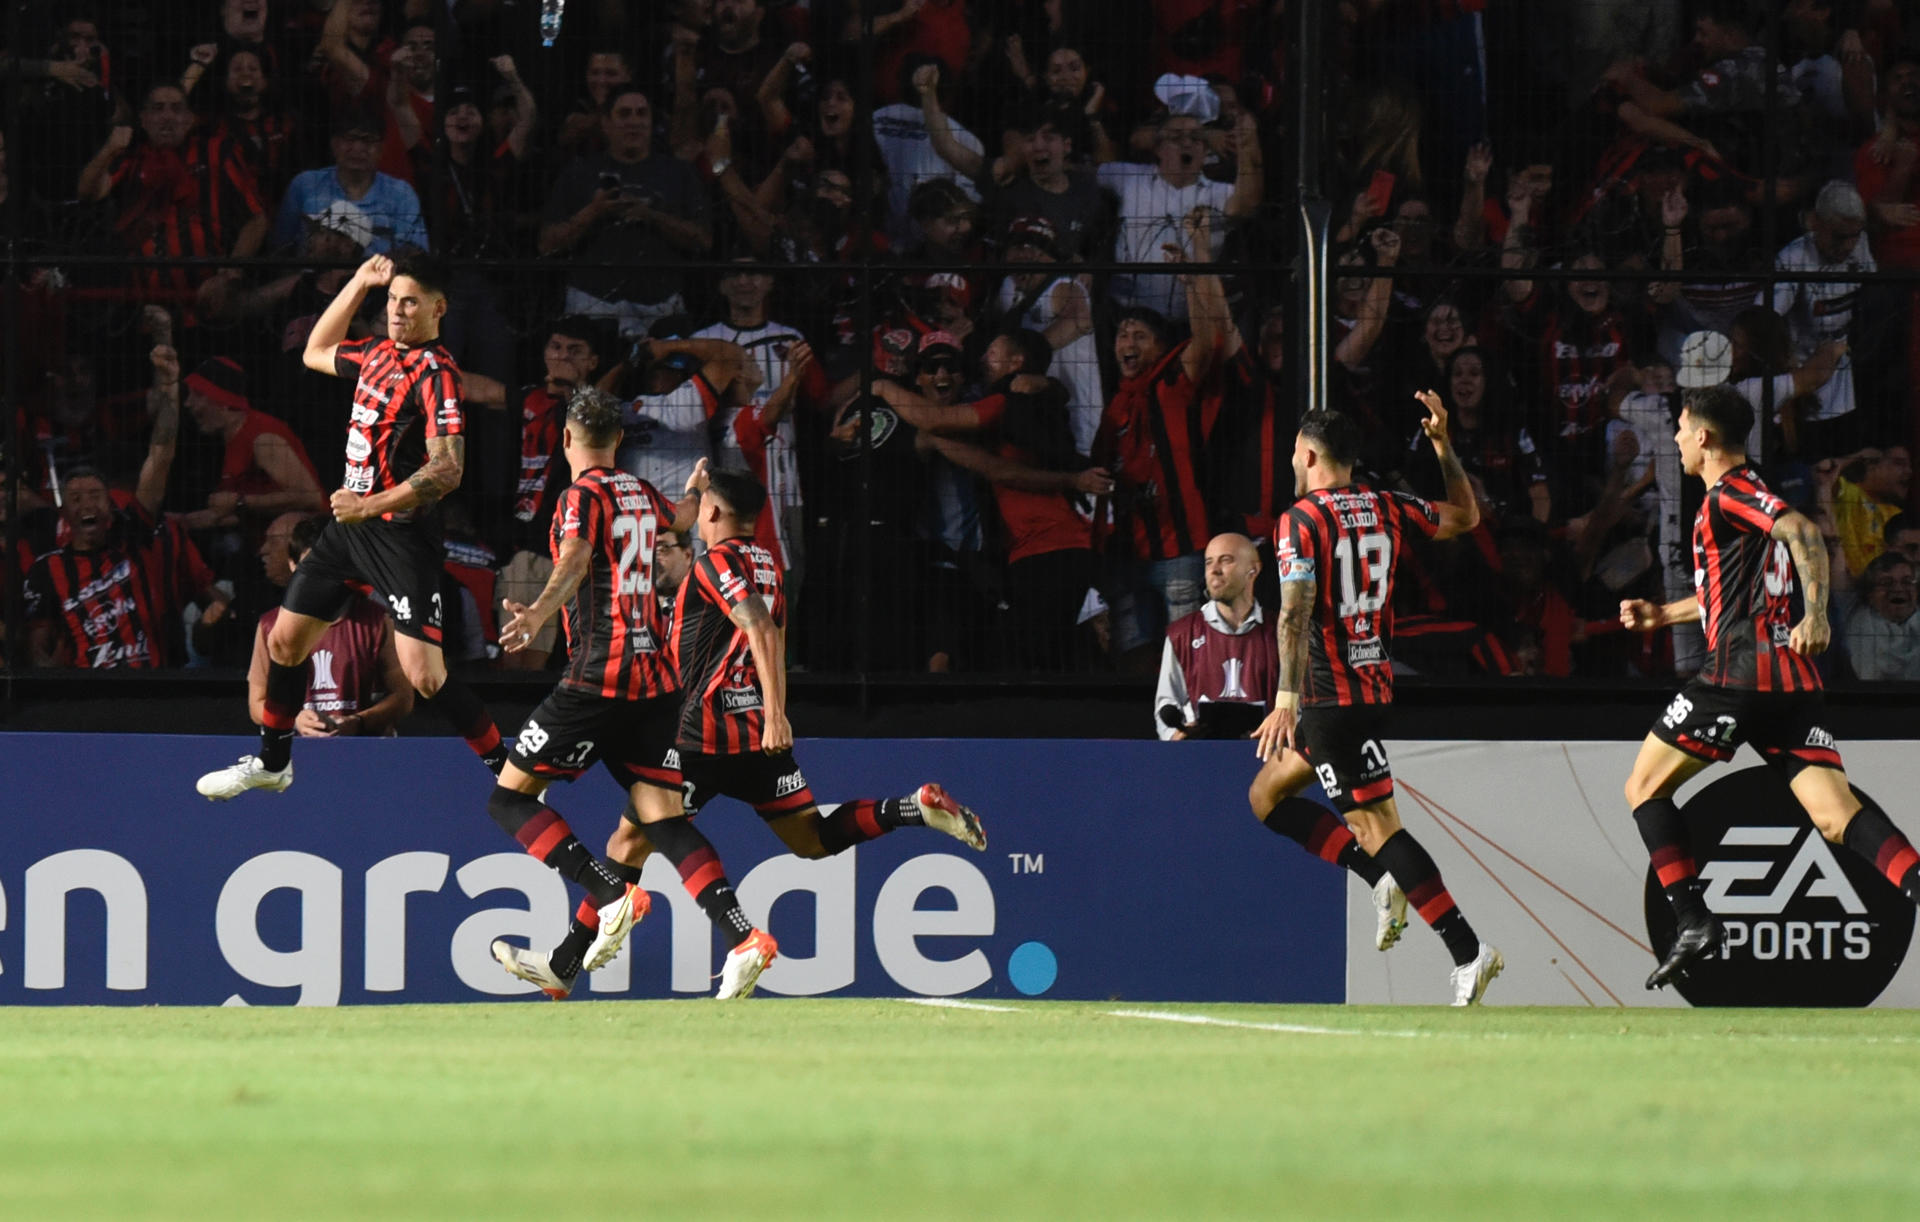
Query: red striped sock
point(1873, 836)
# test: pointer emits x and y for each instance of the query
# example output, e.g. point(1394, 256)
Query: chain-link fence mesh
point(892, 260)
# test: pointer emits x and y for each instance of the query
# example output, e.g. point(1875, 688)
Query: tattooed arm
point(769, 647)
point(446, 460)
point(1809, 551)
point(1277, 732)
point(576, 556)
point(163, 404)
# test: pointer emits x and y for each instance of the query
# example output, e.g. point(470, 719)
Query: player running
point(617, 702)
point(734, 738)
point(1760, 591)
point(1337, 550)
point(405, 451)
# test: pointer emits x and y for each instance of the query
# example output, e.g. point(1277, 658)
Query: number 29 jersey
point(1348, 541)
point(1744, 580)
point(616, 631)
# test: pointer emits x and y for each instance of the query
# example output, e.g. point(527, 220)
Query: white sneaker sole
point(1494, 967)
point(752, 964)
point(614, 928)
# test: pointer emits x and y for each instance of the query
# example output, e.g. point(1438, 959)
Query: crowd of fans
point(1558, 214)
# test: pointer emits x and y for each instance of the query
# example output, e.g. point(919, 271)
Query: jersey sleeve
point(1416, 513)
point(573, 518)
point(1294, 557)
point(37, 591)
point(349, 355)
point(440, 390)
point(724, 576)
point(1749, 508)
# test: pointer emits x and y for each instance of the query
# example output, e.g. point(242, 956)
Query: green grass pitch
point(777, 1108)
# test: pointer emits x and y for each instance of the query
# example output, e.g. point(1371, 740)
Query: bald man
point(1221, 654)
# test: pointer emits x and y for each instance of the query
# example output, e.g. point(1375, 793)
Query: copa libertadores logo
point(1807, 923)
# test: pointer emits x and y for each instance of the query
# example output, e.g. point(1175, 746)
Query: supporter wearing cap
point(391, 208)
point(1756, 366)
point(1058, 307)
point(264, 470)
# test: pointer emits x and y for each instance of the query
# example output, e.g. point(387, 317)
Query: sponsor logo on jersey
point(1805, 925)
point(738, 699)
point(1369, 652)
point(788, 785)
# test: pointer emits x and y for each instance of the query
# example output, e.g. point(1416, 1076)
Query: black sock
point(1319, 831)
point(1873, 836)
point(701, 874)
point(566, 957)
point(545, 835)
point(1419, 877)
point(286, 693)
point(1664, 833)
point(863, 819)
point(469, 718)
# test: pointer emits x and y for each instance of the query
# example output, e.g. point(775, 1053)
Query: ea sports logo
point(1807, 923)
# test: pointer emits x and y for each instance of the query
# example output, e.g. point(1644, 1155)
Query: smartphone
point(1380, 191)
point(609, 181)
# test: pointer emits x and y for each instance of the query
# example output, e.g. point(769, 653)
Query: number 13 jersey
point(616, 629)
point(1347, 541)
point(1744, 579)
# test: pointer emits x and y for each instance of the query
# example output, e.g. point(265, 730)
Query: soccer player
point(1760, 590)
point(618, 700)
point(405, 451)
point(734, 738)
point(1337, 550)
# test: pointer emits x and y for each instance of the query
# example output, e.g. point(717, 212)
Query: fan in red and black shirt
point(1337, 550)
point(107, 595)
point(1155, 432)
point(179, 194)
point(729, 646)
point(1041, 485)
point(1760, 591)
point(405, 451)
point(618, 701)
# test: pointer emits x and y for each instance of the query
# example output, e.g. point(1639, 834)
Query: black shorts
point(572, 729)
point(1788, 729)
point(772, 784)
point(1343, 743)
point(400, 562)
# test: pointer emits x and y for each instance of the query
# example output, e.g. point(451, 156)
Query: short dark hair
point(1150, 318)
point(1735, 14)
point(1036, 354)
point(428, 271)
point(597, 415)
point(305, 533)
point(1333, 433)
point(1902, 521)
point(620, 91)
point(1724, 412)
point(84, 472)
point(578, 326)
point(935, 197)
point(742, 493)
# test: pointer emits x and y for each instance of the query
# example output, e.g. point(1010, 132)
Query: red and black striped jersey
point(188, 201)
point(724, 709)
point(1154, 436)
point(616, 636)
point(112, 603)
point(402, 397)
point(1348, 542)
point(1744, 579)
point(542, 416)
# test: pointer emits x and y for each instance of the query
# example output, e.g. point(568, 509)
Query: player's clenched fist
point(1639, 615)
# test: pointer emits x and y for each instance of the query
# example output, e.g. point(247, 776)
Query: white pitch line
point(954, 1003)
point(1201, 1020)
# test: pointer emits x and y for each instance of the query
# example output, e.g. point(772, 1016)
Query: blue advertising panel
point(1114, 870)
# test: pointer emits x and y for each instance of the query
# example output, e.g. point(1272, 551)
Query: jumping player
point(617, 701)
point(1760, 592)
point(1337, 550)
point(405, 451)
point(734, 737)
